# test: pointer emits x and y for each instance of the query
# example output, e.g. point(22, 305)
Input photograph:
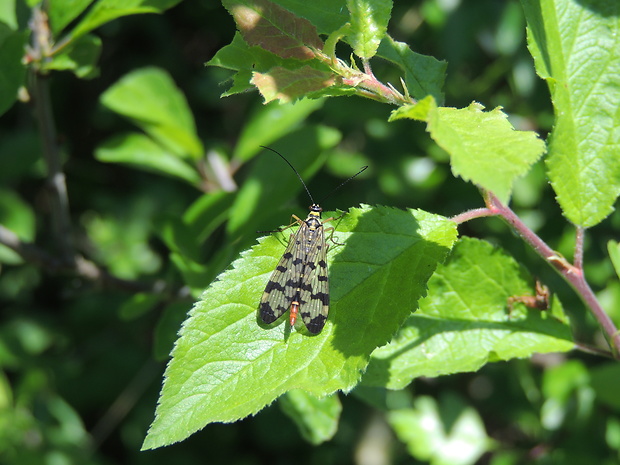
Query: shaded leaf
point(605, 380)
point(316, 419)
point(19, 217)
point(613, 249)
point(271, 181)
point(12, 70)
point(104, 11)
point(62, 12)
point(424, 75)
point(327, 15)
point(80, 56)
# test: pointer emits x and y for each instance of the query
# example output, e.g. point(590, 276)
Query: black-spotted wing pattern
point(300, 282)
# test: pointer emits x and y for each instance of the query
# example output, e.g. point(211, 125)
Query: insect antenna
point(364, 168)
point(293, 168)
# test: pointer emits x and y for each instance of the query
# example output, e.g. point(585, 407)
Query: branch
point(578, 255)
point(81, 267)
point(571, 273)
point(59, 200)
point(472, 214)
point(366, 83)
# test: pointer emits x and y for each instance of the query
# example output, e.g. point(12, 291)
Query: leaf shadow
point(379, 369)
point(378, 277)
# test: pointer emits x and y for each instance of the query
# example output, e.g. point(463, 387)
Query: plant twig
point(472, 214)
point(368, 85)
point(125, 401)
point(59, 200)
point(80, 266)
point(578, 256)
point(571, 273)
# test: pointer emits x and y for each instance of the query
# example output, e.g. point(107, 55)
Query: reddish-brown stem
point(472, 214)
point(573, 274)
point(370, 87)
point(578, 256)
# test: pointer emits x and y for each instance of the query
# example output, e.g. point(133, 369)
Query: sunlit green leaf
point(484, 148)
point(464, 323)
point(150, 98)
point(574, 45)
point(141, 152)
point(226, 365)
point(369, 20)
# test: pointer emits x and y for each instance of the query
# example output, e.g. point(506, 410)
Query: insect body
point(300, 282)
point(540, 301)
point(300, 279)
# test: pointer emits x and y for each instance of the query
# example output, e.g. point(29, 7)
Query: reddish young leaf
point(275, 29)
point(288, 85)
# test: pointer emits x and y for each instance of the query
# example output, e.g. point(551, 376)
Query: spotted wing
point(314, 286)
point(282, 285)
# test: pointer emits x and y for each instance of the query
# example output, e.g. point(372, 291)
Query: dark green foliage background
point(86, 373)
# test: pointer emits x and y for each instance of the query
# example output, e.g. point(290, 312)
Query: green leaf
point(187, 234)
point(484, 147)
point(208, 213)
point(267, 25)
point(139, 151)
point(8, 15)
point(166, 330)
point(575, 48)
point(12, 70)
point(104, 11)
point(239, 56)
point(120, 238)
point(326, 15)
point(613, 248)
point(450, 433)
point(62, 12)
point(463, 323)
point(288, 85)
point(559, 382)
point(369, 20)
point(226, 366)
point(568, 395)
point(150, 98)
point(195, 275)
point(269, 123)
point(605, 381)
point(236, 56)
point(424, 75)
point(317, 419)
point(80, 56)
point(21, 156)
point(17, 216)
point(138, 304)
point(274, 76)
